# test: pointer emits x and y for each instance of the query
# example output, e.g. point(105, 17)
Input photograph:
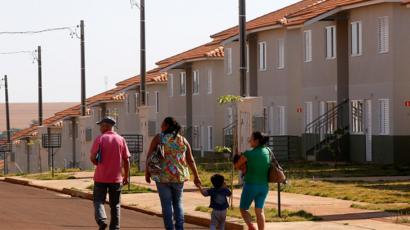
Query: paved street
point(27, 208)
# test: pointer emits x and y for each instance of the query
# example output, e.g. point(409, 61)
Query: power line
point(72, 30)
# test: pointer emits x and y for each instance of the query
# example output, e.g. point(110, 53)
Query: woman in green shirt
point(256, 186)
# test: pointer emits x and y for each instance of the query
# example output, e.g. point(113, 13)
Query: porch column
point(189, 125)
point(253, 65)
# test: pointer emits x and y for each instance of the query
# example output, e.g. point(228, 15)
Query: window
point(262, 56)
point(128, 104)
point(229, 116)
point(171, 85)
point(147, 102)
point(157, 101)
point(137, 100)
point(210, 138)
point(182, 84)
point(331, 42)
point(384, 117)
point(281, 53)
point(196, 138)
point(88, 135)
point(308, 115)
point(195, 88)
point(210, 75)
point(228, 54)
point(357, 116)
point(383, 34)
point(356, 38)
point(307, 45)
point(282, 120)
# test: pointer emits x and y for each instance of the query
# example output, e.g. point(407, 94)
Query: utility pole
point(242, 44)
point(8, 148)
point(83, 92)
point(40, 88)
point(142, 52)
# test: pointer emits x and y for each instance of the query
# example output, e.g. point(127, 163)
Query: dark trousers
point(100, 194)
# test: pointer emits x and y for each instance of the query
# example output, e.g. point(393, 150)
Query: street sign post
point(51, 141)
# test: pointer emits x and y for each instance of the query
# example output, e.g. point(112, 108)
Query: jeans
point(100, 194)
point(170, 195)
point(218, 219)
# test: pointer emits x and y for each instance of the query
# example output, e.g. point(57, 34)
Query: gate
point(135, 143)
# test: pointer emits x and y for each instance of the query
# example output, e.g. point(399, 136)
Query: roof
point(209, 50)
point(115, 94)
point(267, 20)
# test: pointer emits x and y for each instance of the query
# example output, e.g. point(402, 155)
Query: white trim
point(384, 118)
point(210, 139)
point(383, 35)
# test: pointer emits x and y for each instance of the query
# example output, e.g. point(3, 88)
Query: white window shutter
point(210, 76)
point(281, 53)
point(354, 38)
point(262, 56)
point(271, 120)
point(171, 85)
point(383, 34)
point(384, 116)
point(308, 45)
point(282, 120)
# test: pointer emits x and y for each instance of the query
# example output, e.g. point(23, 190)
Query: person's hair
point(173, 126)
point(217, 180)
point(263, 140)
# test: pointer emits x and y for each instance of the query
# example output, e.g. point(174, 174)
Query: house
point(195, 81)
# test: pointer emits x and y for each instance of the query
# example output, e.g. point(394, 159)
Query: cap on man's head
point(107, 120)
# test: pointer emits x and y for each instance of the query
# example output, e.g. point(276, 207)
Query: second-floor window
point(307, 37)
point(356, 38)
point(157, 101)
point(195, 82)
point(331, 42)
point(228, 54)
point(171, 85)
point(210, 76)
point(182, 84)
point(281, 53)
point(262, 56)
point(383, 34)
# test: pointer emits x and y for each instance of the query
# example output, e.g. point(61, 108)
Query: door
point(368, 129)
point(202, 141)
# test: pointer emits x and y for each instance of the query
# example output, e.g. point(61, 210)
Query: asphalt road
point(26, 208)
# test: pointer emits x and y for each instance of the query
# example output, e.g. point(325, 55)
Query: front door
point(368, 129)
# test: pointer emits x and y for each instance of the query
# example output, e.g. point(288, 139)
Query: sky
point(111, 40)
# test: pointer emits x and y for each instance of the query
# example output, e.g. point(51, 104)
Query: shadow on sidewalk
point(356, 216)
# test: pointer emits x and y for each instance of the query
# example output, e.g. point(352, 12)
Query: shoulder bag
point(275, 173)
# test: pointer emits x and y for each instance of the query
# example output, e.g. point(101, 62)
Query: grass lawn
point(134, 189)
point(271, 215)
point(391, 196)
point(48, 176)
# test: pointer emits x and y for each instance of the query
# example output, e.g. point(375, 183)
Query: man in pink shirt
point(110, 154)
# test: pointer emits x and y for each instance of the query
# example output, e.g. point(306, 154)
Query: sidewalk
point(336, 214)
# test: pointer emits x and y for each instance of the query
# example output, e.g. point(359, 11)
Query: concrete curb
point(190, 219)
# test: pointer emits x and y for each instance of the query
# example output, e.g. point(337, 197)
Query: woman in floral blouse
point(175, 165)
